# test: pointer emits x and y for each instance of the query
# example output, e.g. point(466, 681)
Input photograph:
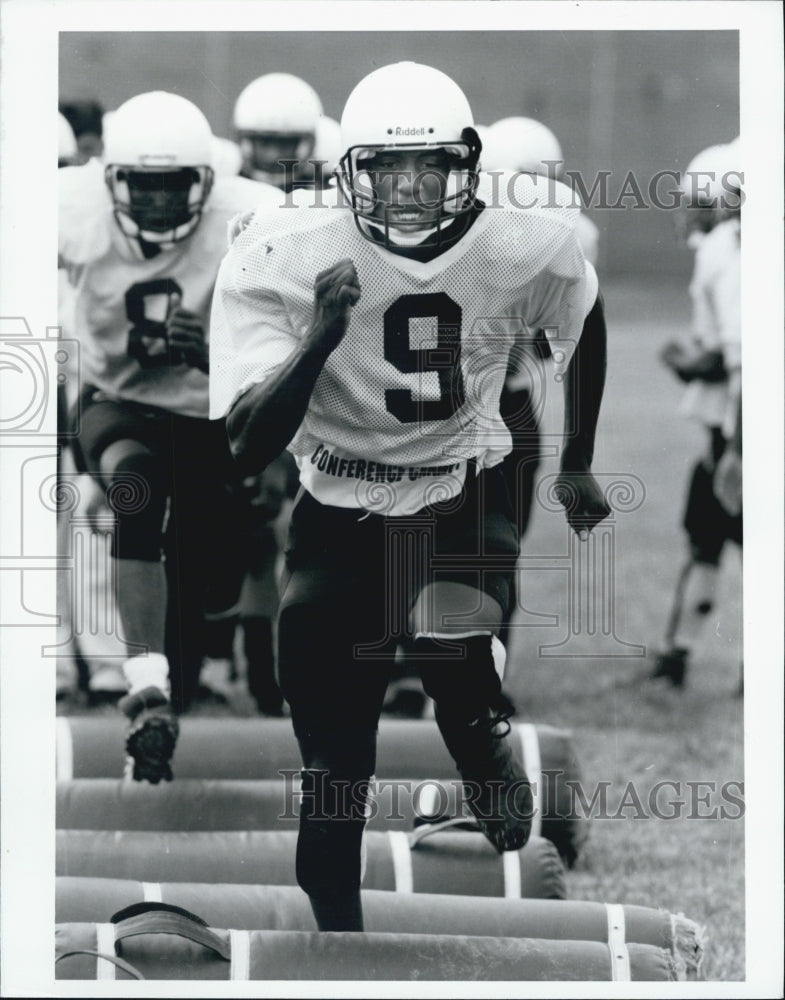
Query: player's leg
point(267, 503)
point(120, 448)
point(205, 543)
point(708, 527)
point(455, 619)
point(327, 611)
point(130, 469)
point(335, 704)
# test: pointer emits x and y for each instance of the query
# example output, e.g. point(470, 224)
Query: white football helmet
point(276, 118)
point(409, 107)
point(524, 145)
point(710, 189)
point(66, 142)
point(158, 154)
point(700, 183)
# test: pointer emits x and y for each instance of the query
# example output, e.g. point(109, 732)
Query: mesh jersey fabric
point(114, 287)
point(521, 374)
point(384, 392)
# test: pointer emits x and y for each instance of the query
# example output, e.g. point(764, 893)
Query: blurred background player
point(709, 363)
point(70, 669)
point(530, 147)
point(86, 119)
point(276, 119)
point(519, 145)
point(141, 237)
point(89, 664)
point(280, 128)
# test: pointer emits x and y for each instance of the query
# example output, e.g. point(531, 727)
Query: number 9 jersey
point(121, 299)
point(413, 388)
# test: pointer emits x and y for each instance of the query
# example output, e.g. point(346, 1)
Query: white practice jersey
point(715, 291)
point(526, 358)
point(412, 391)
point(588, 236)
point(117, 294)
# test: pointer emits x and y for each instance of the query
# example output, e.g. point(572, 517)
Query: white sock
point(151, 670)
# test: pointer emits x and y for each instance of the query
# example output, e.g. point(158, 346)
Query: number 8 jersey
point(412, 391)
point(121, 299)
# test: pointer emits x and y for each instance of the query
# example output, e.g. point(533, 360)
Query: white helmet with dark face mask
point(408, 108)
point(158, 157)
point(710, 190)
point(276, 118)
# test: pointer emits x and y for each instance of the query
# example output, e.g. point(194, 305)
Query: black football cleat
point(152, 735)
point(496, 788)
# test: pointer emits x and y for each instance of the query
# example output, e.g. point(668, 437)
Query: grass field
point(624, 730)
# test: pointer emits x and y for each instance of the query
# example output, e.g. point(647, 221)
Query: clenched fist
point(336, 290)
point(185, 336)
point(580, 495)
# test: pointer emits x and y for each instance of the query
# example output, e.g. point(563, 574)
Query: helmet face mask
point(159, 205)
point(439, 187)
point(419, 119)
point(158, 153)
point(270, 156)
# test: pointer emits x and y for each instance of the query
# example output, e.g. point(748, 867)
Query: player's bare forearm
point(583, 388)
point(265, 419)
point(576, 487)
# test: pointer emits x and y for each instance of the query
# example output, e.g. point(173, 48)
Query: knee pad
point(345, 753)
point(463, 683)
point(137, 495)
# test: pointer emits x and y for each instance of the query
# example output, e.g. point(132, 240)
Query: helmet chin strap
point(142, 238)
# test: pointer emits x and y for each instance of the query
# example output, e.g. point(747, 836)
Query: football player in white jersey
point(709, 363)
point(373, 342)
point(141, 237)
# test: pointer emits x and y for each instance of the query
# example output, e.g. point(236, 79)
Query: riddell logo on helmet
point(410, 131)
